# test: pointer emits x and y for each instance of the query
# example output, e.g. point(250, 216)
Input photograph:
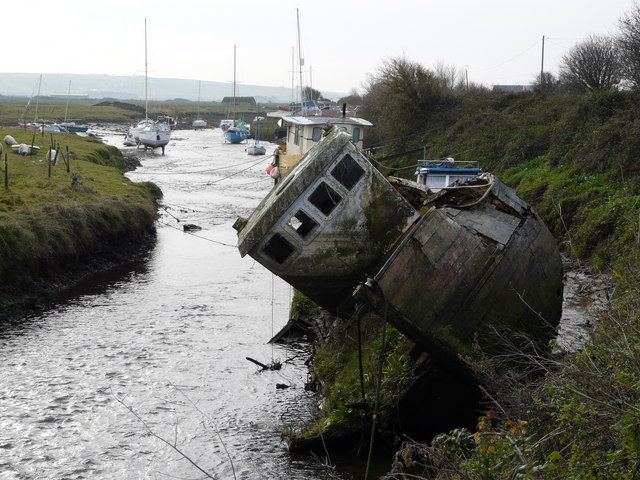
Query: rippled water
point(168, 336)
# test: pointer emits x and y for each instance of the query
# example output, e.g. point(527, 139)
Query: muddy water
point(168, 337)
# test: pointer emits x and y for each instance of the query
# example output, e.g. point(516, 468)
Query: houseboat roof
point(318, 120)
point(289, 189)
point(300, 120)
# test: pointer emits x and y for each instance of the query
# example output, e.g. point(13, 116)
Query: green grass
point(90, 111)
point(47, 225)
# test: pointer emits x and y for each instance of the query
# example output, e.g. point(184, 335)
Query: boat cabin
point(304, 132)
point(437, 174)
point(329, 222)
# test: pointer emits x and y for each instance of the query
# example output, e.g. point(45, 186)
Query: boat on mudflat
point(448, 268)
point(73, 127)
point(239, 132)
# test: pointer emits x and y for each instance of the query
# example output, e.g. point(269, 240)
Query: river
point(166, 336)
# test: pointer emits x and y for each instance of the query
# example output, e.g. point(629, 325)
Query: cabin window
point(278, 248)
point(347, 172)
point(356, 135)
point(296, 135)
point(324, 198)
point(317, 134)
point(436, 181)
point(302, 223)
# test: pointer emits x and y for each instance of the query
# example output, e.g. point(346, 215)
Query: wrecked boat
point(449, 269)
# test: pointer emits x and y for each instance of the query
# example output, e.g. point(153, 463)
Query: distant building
point(240, 101)
point(513, 88)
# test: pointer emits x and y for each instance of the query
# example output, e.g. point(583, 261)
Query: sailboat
point(239, 131)
point(71, 126)
point(22, 123)
point(256, 148)
point(199, 123)
point(148, 132)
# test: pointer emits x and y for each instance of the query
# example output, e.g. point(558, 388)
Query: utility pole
point(293, 75)
point(300, 64)
point(310, 80)
point(542, 65)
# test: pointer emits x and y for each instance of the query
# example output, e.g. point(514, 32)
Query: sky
point(343, 42)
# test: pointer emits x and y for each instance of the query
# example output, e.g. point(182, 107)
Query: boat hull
point(234, 135)
point(465, 276)
point(256, 149)
point(75, 128)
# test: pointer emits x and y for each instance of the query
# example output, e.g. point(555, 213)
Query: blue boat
point(237, 134)
point(72, 127)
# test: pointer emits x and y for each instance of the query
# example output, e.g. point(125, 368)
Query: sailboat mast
point(234, 82)
point(66, 109)
point(146, 82)
point(300, 62)
point(293, 75)
point(198, 107)
point(35, 120)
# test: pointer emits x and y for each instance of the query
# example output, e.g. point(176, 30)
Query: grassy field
point(49, 227)
point(50, 110)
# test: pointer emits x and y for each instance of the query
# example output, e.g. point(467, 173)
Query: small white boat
point(256, 149)
point(152, 134)
point(51, 127)
point(225, 124)
point(199, 124)
point(130, 138)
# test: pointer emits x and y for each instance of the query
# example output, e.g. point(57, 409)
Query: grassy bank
point(52, 231)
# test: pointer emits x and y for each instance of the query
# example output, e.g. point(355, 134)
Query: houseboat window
point(317, 134)
point(278, 248)
point(302, 223)
point(356, 135)
point(296, 138)
point(347, 172)
point(436, 181)
point(324, 198)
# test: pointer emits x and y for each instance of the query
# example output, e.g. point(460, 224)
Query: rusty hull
point(472, 267)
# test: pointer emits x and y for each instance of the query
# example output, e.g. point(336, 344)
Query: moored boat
point(73, 127)
point(470, 260)
point(225, 124)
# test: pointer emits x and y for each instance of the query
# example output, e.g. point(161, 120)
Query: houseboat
point(303, 132)
point(464, 262)
point(437, 174)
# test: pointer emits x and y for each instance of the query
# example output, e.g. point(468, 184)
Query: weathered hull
point(463, 275)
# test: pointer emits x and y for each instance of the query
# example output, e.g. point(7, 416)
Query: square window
point(317, 134)
point(278, 248)
point(356, 135)
point(324, 198)
point(347, 172)
point(302, 223)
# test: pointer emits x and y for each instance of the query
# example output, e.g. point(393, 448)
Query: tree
point(545, 84)
point(593, 64)
point(629, 43)
point(311, 93)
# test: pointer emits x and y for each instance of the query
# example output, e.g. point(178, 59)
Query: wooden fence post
point(49, 163)
point(68, 159)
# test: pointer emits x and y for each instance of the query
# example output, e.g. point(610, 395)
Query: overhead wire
point(507, 61)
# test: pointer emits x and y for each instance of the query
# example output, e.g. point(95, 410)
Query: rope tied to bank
point(378, 388)
point(198, 236)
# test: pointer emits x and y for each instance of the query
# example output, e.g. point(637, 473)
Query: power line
point(509, 60)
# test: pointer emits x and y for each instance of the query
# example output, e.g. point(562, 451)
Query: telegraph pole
point(542, 65)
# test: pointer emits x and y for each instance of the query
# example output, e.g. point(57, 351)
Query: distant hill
point(122, 87)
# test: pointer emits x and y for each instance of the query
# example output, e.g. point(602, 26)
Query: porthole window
point(302, 223)
point(324, 198)
point(347, 172)
point(278, 248)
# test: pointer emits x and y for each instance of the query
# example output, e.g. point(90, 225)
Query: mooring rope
point(378, 388)
point(196, 235)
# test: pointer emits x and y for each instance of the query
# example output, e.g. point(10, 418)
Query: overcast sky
point(499, 41)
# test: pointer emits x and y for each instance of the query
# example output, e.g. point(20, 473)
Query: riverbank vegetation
point(570, 148)
point(54, 229)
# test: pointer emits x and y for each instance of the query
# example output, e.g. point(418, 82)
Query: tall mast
point(234, 82)
point(198, 108)
point(146, 86)
point(300, 62)
point(293, 75)
point(66, 109)
point(35, 120)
